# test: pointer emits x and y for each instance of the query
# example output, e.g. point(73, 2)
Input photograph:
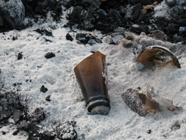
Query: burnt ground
point(111, 14)
point(12, 106)
point(106, 16)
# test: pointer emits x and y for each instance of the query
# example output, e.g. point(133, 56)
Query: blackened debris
point(15, 84)
point(149, 131)
point(14, 38)
point(20, 56)
point(87, 38)
point(44, 32)
point(35, 134)
point(3, 132)
point(66, 128)
point(42, 7)
point(134, 15)
point(69, 37)
point(10, 105)
point(49, 55)
point(83, 38)
point(15, 132)
point(43, 89)
point(47, 40)
point(48, 98)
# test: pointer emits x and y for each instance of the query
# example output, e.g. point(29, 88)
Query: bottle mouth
point(99, 106)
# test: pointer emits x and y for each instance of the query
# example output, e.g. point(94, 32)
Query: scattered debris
point(91, 75)
point(10, 105)
point(159, 54)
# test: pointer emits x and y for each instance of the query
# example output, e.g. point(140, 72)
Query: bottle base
point(101, 107)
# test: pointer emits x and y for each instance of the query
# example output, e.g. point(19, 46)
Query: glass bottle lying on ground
point(91, 74)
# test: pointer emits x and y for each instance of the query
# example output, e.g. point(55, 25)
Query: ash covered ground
point(38, 35)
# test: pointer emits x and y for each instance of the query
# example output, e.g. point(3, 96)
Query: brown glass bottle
point(91, 75)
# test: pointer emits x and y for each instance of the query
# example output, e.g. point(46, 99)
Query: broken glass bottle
point(91, 75)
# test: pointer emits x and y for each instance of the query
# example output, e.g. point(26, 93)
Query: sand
point(67, 103)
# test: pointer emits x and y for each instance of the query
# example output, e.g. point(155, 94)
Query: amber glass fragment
point(91, 75)
point(139, 102)
point(151, 52)
point(145, 104)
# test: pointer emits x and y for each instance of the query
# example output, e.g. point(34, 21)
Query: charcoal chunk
point(43, 89)
point(69, 37)
point(20, 56)
point(49, 55)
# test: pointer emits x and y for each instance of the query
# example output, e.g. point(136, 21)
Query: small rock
point(43, 89)
point(69, 37)
point(175, 126)
point(92, 42)
point(15, 132)
point(20, 56)
point(83, 38)
point(149, 131)
point(49, 55)
point(3, 132)
point(48, 98)
point(14, 38)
